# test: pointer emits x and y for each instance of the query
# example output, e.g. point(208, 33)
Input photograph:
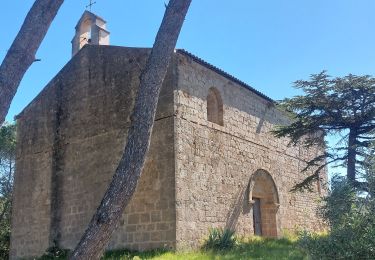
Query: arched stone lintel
point(251, 185)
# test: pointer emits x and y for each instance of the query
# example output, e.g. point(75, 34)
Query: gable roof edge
point(224, 74)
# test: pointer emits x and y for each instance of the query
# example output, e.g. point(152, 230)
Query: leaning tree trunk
point(125, 179)
point(21, 54)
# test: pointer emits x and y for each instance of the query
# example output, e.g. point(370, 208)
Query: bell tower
point(90, 29)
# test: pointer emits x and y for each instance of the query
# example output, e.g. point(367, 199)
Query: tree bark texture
point(352, 153)
point(21, 54)
point(125, 179)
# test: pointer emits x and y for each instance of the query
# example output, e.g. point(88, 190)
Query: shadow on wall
point(263, 117)
point(240, 203)
point(262, 188)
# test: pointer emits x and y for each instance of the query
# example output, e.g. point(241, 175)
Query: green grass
point(252, 248)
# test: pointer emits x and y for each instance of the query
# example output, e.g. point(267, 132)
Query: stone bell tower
point(90, 29)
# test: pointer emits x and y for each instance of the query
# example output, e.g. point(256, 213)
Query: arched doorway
point(264, 199)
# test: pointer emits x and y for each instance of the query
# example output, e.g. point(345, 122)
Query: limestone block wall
point(214, 163)
point(198, 174)
point(32, 196)
point(70, 140)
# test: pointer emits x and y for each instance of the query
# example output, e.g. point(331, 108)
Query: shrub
point(352, 221)
point(4, 239)
point(220, 239)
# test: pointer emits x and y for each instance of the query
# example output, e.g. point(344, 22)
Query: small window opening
point(214, 107)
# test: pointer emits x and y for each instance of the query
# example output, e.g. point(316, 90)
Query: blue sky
point(266, 43)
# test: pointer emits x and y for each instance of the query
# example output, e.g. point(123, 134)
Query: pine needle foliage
point(342, 107)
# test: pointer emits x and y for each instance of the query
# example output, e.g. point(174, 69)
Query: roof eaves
point(223, 73)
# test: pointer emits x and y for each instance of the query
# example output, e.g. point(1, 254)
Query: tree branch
point(23, 49)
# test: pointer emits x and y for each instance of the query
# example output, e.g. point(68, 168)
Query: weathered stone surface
point(214, 163)
point(198, 174)
point(70, 140)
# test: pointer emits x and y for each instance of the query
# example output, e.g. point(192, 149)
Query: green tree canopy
point(7, 160)
point(342, 106)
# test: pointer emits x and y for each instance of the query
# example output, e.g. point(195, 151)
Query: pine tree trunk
point(352, 153)
point(21, 54)
point(125, 179)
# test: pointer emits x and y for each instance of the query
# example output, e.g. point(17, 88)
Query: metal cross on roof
point(90, 5)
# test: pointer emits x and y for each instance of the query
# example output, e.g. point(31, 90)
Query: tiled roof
point(223, 73)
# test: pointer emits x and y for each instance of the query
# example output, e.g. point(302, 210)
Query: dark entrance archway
point(264, 198)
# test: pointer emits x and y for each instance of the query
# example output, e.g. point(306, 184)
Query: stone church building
point(212, 161)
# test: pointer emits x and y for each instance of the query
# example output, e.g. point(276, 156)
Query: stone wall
point(32, 196)
point(214, 163)
point(198, 174)
point(70, 140)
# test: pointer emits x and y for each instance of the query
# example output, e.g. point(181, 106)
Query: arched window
point(214, 107)
point(85, 32)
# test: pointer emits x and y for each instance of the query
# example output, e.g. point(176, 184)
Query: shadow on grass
point(252, 248)
point(127, 254)
point(265, 248)
point(245, 248)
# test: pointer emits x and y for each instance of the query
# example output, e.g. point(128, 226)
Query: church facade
point(212, 160)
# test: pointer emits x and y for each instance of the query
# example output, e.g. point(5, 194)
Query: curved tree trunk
point(125, 179)
point(21, 54)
